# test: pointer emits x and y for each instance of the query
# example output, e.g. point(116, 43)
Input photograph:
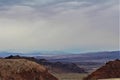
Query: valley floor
point(70, 76)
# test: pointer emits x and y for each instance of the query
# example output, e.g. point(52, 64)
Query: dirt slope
point(110, 70)
point(22, 69)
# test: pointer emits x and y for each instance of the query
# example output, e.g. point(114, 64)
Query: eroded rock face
point(22, 69)
point(110, 70)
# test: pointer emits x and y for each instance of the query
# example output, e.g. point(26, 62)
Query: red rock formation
point(21, 69)
point(110, 70)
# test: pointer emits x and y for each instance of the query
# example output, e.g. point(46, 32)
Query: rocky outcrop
point(110, 70)
point(22, 69)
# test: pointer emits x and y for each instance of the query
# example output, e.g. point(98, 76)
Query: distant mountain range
point(43, 53)
point(65, 57)
point(86, 57)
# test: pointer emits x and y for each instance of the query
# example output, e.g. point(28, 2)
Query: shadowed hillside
point(110, 70)
point(21, 69)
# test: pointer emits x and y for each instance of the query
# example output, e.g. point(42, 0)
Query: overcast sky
point(59, 25)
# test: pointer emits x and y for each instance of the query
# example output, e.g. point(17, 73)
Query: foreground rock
point(22, 69)
point(110, 70)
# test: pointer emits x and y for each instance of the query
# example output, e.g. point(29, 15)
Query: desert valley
point(73, 67)
point(59, 40)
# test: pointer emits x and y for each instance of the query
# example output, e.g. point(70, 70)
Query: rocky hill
point(22, 69)
point(58, 67)
point(55, 67)
point(109, 70)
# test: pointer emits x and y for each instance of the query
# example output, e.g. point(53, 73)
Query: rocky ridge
point(22, 69)
point(110, 70)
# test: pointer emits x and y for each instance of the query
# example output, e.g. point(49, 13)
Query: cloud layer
point(67, 25)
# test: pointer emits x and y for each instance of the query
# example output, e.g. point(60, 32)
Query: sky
point(59, 25)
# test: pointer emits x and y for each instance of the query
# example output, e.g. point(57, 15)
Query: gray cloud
point(59, 25)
